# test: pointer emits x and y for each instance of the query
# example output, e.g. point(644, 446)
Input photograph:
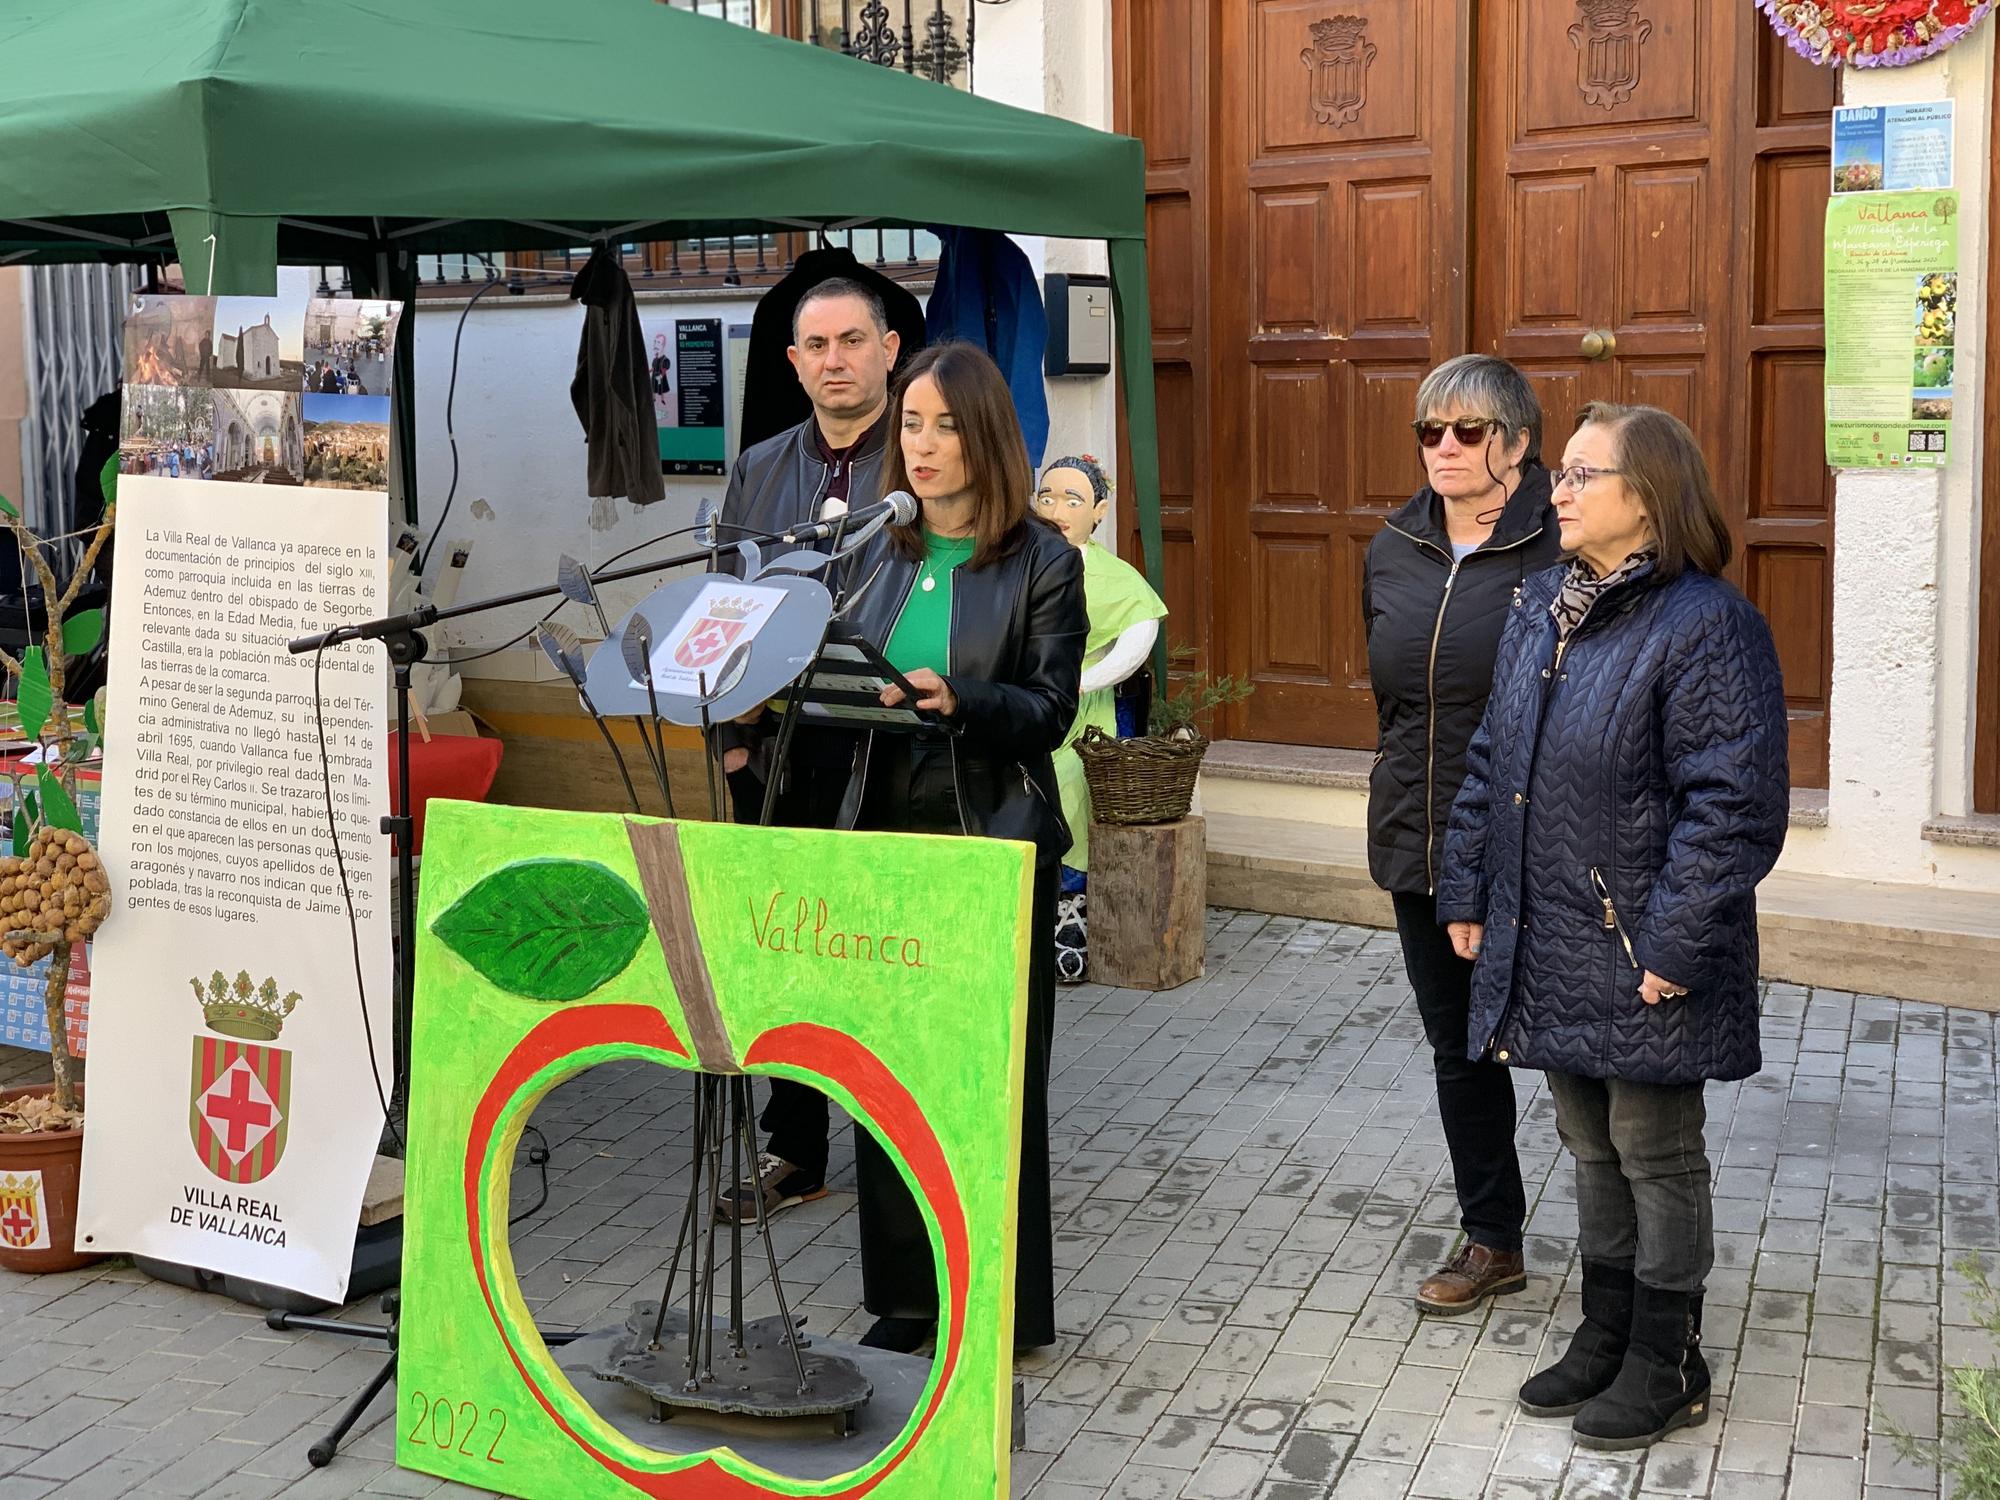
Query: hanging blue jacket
point(1623, 797)
point(986, 294)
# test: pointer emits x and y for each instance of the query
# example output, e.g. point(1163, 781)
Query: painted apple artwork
point(641, 941)
point(835, 1060)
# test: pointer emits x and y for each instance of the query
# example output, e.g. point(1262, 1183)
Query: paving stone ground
point(1249, 1183)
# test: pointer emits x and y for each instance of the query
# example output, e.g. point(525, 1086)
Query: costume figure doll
point(1125, 617)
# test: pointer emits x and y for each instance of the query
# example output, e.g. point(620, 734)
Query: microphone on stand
point(897, 508)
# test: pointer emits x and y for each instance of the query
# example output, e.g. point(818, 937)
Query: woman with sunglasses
point(1439, 581)
point(1626, 791)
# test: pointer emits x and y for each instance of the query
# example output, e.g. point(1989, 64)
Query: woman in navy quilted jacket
point(1625, 792)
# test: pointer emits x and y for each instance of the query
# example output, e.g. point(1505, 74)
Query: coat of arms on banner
point(709, 638)
point(24, 1222)
point(240, 1099)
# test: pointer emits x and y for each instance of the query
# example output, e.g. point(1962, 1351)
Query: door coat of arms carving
point(1338, 61)
point(1608, 38)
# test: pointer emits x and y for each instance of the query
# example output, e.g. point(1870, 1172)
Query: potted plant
point(54, 893)
point(1151, 778)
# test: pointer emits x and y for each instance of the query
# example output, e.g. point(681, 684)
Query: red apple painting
point(887, 970)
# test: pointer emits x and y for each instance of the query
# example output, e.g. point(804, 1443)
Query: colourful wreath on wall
point(1872, 33)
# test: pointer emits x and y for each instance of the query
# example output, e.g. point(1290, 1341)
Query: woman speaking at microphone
point(980, 607)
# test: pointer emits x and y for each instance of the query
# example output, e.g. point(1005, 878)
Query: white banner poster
point(233, 1113)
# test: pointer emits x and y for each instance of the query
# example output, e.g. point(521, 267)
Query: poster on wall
point(1891, 328)
point(685, 363)
point(1892, 147)
point(234, 1108)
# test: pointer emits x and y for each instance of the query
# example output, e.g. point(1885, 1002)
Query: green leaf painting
point(82, 632)
point(8, 506)
point(93, 714)
point(108, 478)
point(56, 800)
point(549, 929)
point(25, 817)
point(35, 698)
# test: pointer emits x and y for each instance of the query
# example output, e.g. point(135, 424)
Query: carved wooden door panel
point(1646, 216)
point(1336, 284)
point(1163, 60)
point(1603, 202)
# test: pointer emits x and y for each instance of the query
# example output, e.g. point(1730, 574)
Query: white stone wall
point(521, 497)
point(1905, 611)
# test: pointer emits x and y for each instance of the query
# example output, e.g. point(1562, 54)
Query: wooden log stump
point(1148, 903)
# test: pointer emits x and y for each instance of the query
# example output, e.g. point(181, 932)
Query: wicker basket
point(1146, 780)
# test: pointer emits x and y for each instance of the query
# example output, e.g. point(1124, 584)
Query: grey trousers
point(1643, 1195)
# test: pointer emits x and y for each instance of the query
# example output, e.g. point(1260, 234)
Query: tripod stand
point(406, 647)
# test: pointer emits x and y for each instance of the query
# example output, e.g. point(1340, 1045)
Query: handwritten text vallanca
point(813, 933)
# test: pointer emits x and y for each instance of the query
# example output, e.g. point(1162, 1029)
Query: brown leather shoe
point(1469, 1278)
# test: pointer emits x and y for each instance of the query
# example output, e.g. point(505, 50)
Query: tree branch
point(89, 558)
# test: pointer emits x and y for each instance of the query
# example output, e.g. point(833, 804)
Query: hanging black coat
point(1433, 628)
point(773, 399)
point(613, 391)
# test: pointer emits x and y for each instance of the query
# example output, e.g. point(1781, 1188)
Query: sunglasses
point(1470, 431)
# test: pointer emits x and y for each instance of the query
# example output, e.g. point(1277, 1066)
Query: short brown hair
point(1659, 458)
point(989, 430)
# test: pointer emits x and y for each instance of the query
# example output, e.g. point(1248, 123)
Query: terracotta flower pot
point(57, 1155)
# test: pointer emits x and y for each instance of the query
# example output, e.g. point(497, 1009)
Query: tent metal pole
point(70, 231)
point(1129, 298)
point(319, 228)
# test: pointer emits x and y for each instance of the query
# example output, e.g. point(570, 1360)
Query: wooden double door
point(1624, 197)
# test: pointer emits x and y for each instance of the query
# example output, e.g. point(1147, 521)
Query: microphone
point(897, 508)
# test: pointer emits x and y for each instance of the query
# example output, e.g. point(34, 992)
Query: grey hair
point(842, 286)
point(1487, 387)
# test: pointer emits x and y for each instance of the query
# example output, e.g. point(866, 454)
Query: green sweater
point(922, 637)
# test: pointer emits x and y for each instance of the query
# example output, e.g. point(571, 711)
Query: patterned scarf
point(1581, 588)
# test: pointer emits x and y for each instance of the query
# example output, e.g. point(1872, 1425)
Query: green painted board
point(888, 970)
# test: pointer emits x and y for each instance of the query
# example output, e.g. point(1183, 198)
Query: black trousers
point(899, 1275)
point(795, 1119)
point(1475, 1099)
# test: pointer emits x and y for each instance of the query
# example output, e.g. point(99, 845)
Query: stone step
point(1905, 942)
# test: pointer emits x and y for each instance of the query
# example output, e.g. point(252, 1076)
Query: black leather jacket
point(1017, 638)
point(778, 484)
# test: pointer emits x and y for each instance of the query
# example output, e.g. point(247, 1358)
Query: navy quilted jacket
point(1623, 797)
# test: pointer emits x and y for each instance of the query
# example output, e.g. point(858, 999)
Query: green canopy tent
point(232, 135)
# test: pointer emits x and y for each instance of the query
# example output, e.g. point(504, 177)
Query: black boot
point(1596, 1350)
point(1663, 1383)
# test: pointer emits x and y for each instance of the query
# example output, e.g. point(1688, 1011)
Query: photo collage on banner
point(290, 390)
point(234, 1114)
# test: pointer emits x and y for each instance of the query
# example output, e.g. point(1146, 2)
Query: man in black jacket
point(843, 350)
point(1440, 581)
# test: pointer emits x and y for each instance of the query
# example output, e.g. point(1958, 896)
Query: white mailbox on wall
point(1079, 309)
